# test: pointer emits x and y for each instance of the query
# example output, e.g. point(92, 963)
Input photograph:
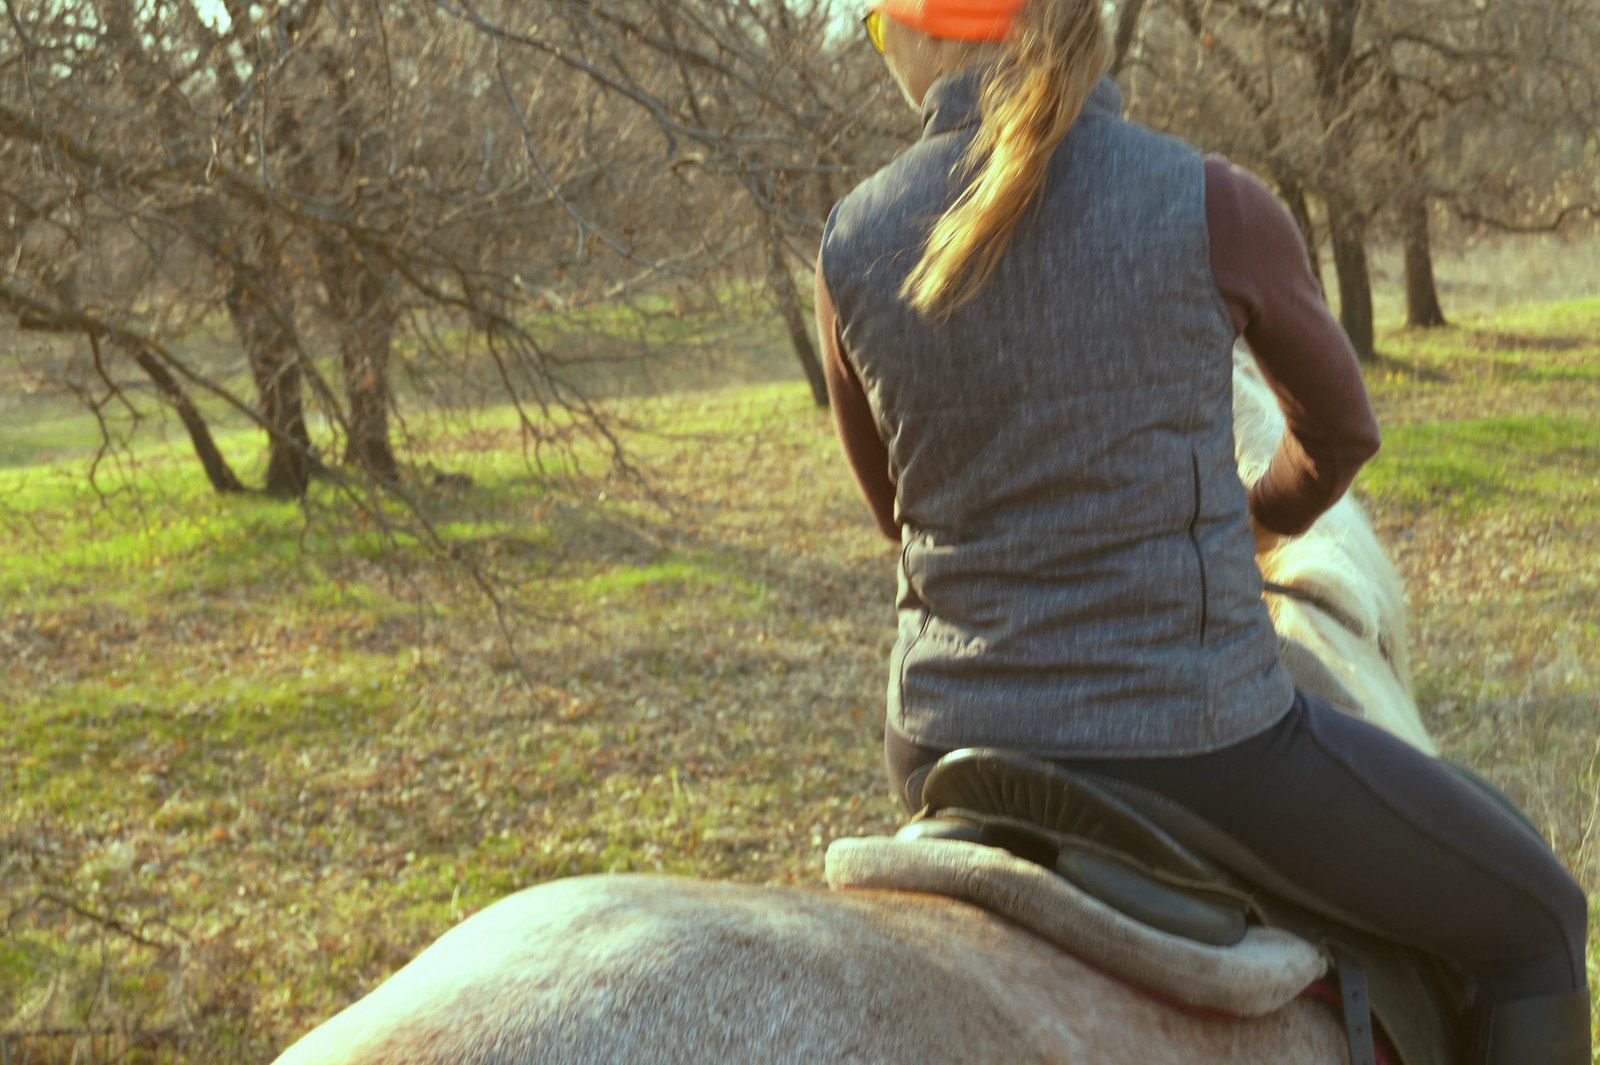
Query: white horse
point(653, 970)
point(1333, 592)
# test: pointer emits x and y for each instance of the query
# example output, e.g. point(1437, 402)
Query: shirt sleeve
point(852, 417)
point(1263, 272)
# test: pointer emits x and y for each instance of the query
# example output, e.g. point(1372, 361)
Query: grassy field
point(254, 762)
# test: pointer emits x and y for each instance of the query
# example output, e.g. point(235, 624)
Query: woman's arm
point(1264, 274)
point(852, 417)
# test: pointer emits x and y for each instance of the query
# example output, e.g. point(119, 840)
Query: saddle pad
point(1260, 974)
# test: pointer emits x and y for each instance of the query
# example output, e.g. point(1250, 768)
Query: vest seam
point(1194, 541)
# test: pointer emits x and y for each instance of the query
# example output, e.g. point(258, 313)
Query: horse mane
point(1346, 604)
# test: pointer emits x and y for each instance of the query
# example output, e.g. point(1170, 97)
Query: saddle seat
point(1139, 886)
point(1098, 843)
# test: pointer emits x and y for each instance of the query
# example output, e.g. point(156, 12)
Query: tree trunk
point(275, 366)
point(357, 284)
point(1346, 224)
point(218, 472)
point(366, 369)
point(1347, 233)
point(780, 282)
point(269, 345)
point(1422, 295)
point(359, 302)
point(1127, 28)
point(1293, 192)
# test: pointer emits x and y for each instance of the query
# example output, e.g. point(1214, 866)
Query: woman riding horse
point(1028, 319)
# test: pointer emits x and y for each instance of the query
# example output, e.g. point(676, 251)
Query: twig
point(104, 921)
point(1468, 214)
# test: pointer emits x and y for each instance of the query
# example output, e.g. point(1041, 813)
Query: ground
point(255, 760)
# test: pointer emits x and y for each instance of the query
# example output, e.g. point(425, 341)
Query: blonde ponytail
point(1055, 54)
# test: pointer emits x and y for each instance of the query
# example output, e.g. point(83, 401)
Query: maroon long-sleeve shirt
point(1263, 274)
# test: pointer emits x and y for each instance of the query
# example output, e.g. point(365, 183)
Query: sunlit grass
point(1543, 467)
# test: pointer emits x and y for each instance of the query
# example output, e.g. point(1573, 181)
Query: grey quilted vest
point(1077, 575)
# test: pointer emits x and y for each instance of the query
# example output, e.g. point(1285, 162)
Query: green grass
point(257, 756)
point(1465, 465)
point(43, 430)
point(1487, 493)
point(602, 351)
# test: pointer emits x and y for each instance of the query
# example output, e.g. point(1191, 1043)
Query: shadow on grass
point(1394, 364)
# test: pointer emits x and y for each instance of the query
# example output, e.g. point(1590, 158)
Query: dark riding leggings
point(1385, 833)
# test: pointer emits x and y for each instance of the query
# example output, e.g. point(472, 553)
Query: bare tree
point(287, 170)
point(1372, 112)
point(759, 99)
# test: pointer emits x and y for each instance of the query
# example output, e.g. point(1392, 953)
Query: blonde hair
point(1054, 55)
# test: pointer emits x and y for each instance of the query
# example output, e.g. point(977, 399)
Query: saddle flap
point(1216, 921)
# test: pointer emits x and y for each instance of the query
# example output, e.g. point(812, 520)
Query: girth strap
point(1355, 1003)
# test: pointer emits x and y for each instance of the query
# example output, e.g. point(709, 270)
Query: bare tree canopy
point(336, 193)
point(327, 183)
point(1379, 112)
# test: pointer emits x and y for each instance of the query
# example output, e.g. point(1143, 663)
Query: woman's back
point(1078, 571)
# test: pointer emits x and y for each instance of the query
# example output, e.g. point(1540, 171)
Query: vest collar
point(953, 102)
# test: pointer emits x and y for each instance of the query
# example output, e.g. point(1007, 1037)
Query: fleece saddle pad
point(1256, 976)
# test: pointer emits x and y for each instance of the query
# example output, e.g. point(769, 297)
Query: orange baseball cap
point(961, 20)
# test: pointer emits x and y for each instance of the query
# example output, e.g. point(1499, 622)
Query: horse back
point(656, 970)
